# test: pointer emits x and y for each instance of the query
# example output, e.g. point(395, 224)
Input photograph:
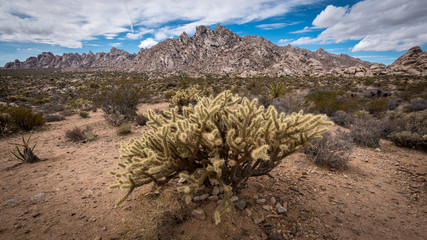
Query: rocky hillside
point(222, 52)
point(414, 61)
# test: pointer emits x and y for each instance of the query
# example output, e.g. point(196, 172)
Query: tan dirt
point(382, 195)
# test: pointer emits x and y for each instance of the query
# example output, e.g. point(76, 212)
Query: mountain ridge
point(221, 52)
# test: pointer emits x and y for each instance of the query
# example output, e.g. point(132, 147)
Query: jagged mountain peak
point(216, 51)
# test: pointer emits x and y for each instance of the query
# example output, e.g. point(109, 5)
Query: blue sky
point(372, 30)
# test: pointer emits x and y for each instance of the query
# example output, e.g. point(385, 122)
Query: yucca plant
point(277, 90)
point(27, 154)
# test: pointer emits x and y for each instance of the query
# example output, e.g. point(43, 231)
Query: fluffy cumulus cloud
point(147, 43)
point(378, 25)
point(69, 23)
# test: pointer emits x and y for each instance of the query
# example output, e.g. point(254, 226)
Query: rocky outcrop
point(221, 52)
point(413, 62)
point(114, 58)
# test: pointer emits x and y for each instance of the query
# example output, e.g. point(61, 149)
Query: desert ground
point(382, 195)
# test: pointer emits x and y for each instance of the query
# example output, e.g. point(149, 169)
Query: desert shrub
point(291, 102)
point(377, 105)
point(67, 112)
point(223, 140)
point(409, 140)
point(119, 100)
point(5, 121)
point(412, 122)
point(168, 94)
point(141, 120)
point(52, 108)
point(80, 135)
point(328, 102)
point(24, 118)
point(342, 118)
point(124, 129)
point(331, 150)
point(83, 114)
point(277, 90)
point(368, 131)
point(417, 105)
point(54, 118)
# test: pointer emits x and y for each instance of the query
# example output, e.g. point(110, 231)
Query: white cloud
point(283, 42)
point(378, 25)
point(147, 43)
point(271, 26)
point(117, 44)
point(69, 23)
point(305, 29)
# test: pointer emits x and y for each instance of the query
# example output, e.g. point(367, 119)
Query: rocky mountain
point(218, 52)
point(414, 62)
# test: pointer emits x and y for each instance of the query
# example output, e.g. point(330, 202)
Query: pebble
point(267, 207)
point(240, 204)
point(36, 215)
point(213, 198)
point(38, 196)
point(215, 191)
point(82, 216)
point(259, 219)
point(234, 198)
point(201, 197)
point(273, 200)
point(11, 202)
point(377, 150)
point(248, 212)
point(261, 201)
point(276, 236)
point(97, 238)
point(280, 208)
point(198, 214)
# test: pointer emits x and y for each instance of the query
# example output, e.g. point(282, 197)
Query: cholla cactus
point(223, 139)
point(188, 96)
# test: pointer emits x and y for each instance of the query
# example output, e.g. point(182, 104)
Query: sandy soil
point(381, 196)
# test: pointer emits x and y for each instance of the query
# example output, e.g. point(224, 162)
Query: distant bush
point(342, 118)
point(23, 118)
point(5, 121)
point(329, 102)
point(188, 96)
point(80, 135)
point(368, 131)
point(54, 118)
point(124, 129)
point(331, 150)
point(168, 94)
point(417, 105)
point(289, 103)
point(83, 114)
point(409, 140)
point(119, 100)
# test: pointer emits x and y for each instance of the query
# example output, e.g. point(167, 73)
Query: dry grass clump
point(80, 135)
point(124, 129)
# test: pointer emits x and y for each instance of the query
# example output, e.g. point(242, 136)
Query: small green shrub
point(5, 121)
point(80, 135)
point(277, 90)
point(328, 102)
point(409, 140)
point(54, 118)
point(331, 150)
point(417, 105)
point(124, 129)
point(225, 140)
point(24, 118)
point(342, 118)
point(83, 114)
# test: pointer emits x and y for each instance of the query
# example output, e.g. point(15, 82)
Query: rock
point(38, 196)
point(267, 207)
point(97, 238)
point(280, 208)
point(259, 219)
point(276, 236)
point(240, 204)
point(198, 214)
point(36, 215)
point(234, 198)
point(201, 197)
point(421, 179)
point(273, 201)
point(261, 201)
point(213, 198)
point(248, 212)
point(377, 150)
point(11, 202)
point(215, 191)
point(82, 216)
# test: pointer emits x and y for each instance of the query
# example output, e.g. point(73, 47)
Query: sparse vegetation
point(80, 135)
point(124, 129)
point(332, 150)
point(22, 117)
point(54, 118)
point(26, 155)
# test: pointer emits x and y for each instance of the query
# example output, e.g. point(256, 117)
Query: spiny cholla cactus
point(188, 96)
point(223, 139)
